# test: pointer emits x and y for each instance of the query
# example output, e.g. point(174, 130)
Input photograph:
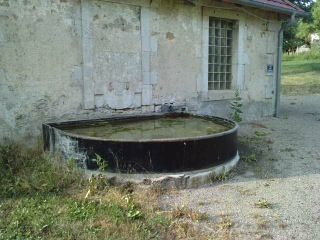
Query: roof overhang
point(286, 8)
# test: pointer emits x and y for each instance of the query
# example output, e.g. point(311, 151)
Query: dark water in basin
point(154, 128)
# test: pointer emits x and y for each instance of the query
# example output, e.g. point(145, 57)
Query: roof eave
point(270, 7)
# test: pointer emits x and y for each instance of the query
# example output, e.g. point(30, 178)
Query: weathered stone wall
point(73, 59)
point(176, 28)
point(39, 57)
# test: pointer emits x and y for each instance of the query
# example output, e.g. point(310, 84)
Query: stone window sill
point(218, 95)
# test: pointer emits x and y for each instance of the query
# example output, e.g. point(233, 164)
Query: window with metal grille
point(220, 54)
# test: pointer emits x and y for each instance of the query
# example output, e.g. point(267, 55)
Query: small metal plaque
point(270, 68)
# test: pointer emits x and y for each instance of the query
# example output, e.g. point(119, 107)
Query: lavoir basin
point(172, 142)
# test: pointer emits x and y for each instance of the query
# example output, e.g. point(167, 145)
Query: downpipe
point(279, 60)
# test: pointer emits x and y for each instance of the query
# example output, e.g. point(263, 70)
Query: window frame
point(220, 53)
point(237, 76)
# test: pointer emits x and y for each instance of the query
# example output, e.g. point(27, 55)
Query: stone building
point(79, 59)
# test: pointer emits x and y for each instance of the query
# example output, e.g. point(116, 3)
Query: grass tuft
point(250, 158)
point(263, 203)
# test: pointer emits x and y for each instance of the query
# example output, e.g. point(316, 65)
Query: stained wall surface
point(81, 59)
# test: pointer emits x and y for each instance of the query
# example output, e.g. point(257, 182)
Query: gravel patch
point(274, 193)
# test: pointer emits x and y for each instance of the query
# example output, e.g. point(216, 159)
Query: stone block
point(145, 61)
point(99, 101)
point(145, 43)
point(145, 21)
point(146, 94)
point(137, 100)
point(271, 47)
point(157, 108)
point(146, 77)
point(153, 78)
point(198, 51)
point(120, 99)
point(199, 83)
point(2, 76)
point(2, 38)
point(77, 72)
point(147, 109)
point(136, 87)
point(87, 51)
point(154, 44)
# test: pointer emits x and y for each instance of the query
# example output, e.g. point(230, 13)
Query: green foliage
point(39, 199)
point(43, 199)
point(260, 134)
point(221, 177)
point(83, 210)
point(303, 4)
point(71, 164)
point(29, 172)
point(29, 217)
point(250, 158)
point(312, 25)
point(313, 54)
point(316, 15)
point(132, 211)
point(290, 38)
point(263, 203)
point(235, 106)
point(304, 30)
point(102, 164)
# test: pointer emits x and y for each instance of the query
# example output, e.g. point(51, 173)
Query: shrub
point(313, 54)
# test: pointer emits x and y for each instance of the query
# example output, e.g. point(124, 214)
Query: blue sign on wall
point(270, 68)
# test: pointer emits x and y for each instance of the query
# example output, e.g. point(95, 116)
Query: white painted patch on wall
point(69, 149)
point(120, 99)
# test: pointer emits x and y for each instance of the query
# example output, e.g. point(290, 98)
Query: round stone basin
point(155, 143)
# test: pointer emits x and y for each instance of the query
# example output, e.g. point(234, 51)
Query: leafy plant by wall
point(236, 106)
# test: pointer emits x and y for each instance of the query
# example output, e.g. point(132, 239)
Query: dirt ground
point(274, 193)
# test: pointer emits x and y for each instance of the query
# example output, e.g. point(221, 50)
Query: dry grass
point(183, 211)
point(262, 223)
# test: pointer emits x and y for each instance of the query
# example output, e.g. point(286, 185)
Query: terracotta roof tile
point(283, 6)
point(281, 3)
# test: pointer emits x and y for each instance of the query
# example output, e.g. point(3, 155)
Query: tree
point(316, 16)
point(303, 4)
point(291, 36)
point(304, 31)
point(313, 26)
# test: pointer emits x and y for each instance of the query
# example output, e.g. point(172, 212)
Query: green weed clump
point(250, 158)
point(260, 134)
point(220, 177)
point(263, 203)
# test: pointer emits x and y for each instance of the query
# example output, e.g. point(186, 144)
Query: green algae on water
point(150, 128)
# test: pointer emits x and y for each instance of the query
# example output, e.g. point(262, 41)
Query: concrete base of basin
point(181, 180)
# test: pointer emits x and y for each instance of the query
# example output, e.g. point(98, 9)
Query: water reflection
point(159, 128)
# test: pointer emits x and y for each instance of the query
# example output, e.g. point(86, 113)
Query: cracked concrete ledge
point(180, 180)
